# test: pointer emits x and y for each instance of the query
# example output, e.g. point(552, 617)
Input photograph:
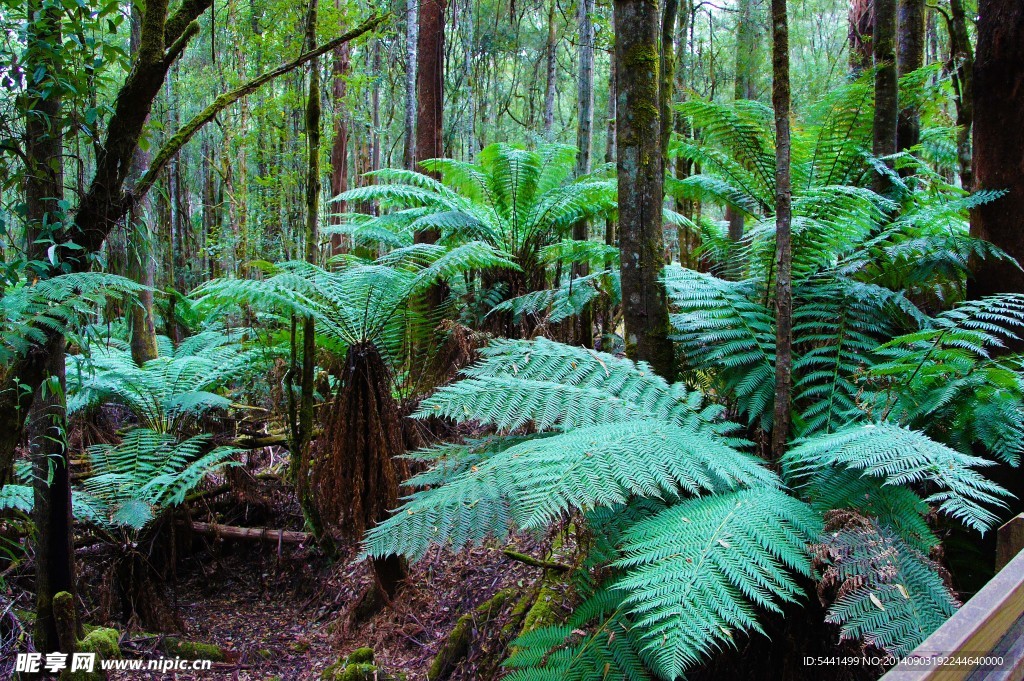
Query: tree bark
point(999, 143)
point(962, 70)
point(47, 415)
point(339, 147)
point(886, 86)
point(909, 58)
point(430, 108)
point(860, 37)
point(584, 142)
point(411, 38)
point(783, 236)
point(745, 87)
point(641, 184)
point(141, 264)
point(551, 80)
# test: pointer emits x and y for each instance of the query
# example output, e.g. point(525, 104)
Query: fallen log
point(252, 533)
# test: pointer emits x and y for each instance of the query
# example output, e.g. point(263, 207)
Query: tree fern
point(889, 593)
point(145, 471)
point(900, 456)
point(696, 572)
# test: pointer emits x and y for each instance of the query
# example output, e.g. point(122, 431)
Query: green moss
point(360, 656)
point(100, 640)
point(360, 671)
point(457, 644)
point(543, 612)
point(190, 650)
point(103, 641)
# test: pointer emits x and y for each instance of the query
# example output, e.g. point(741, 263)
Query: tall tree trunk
point(141, 264)
point(886, 86)
point(909, 57)
point(339, 147)
point(584, 142)
point(411, 38)
point(667, 69)
point(641, 184)
point(783, 236)
point(551, 79)
point(962, 70)
point(47, 418)
point(430, 107)
point(430, 81)
point(745, 87)
point(999, 143)
point(303, 449)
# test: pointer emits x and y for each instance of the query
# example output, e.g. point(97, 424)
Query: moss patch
point(189, 650)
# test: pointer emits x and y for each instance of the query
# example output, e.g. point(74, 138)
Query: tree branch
point(188, 131)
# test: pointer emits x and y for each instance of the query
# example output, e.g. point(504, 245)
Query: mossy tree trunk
point(783, 235)
point(641, 183)
point(886, 86)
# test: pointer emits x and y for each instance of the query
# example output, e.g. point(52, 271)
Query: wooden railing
point(988, 628)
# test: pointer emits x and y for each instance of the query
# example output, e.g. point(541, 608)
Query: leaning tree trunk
point(886, 86)
point(999, 143)
point(641, 183)
point(909, 57)
point(783, 236)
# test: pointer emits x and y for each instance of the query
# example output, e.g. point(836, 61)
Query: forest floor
point(283, 613)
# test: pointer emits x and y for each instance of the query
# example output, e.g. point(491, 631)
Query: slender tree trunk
point(584, 142)
point(430, 81)
point(886, 86)
point(430, 107)
point(641, 184)
point(783, 236)
point(551, 80)
point(667, 69)
point(411, 38)
point(141, 264)
point(47, 418)
point(747, 48)
point(962, 70)
point(909, 57)
point(339, 147)
point(303, 449)
point(999, 143)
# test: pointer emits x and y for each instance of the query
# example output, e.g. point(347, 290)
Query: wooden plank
point(988, 622)
point(1009, 541)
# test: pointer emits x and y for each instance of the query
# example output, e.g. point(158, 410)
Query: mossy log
point(456, 646)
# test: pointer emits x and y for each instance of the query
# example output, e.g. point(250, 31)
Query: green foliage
point(166, 394)
point(589, 433)
point(697, 571)
point(900, 456)
point(890, 594)
point(147, 471)
point(59, 305)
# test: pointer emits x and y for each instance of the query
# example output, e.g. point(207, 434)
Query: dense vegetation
point(704, 314)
